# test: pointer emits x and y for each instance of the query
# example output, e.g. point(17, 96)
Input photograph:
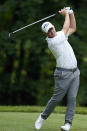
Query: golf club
point(10, 34)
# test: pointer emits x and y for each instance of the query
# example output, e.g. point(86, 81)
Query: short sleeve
point(67, 34)
point(62, 35)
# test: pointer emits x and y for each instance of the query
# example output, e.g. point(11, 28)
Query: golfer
point(66, 74)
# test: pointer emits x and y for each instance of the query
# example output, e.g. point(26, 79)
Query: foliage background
point(26, 64)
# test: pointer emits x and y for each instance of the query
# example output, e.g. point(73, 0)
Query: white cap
point(46, 26)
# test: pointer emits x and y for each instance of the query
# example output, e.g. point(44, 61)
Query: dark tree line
point(26, 64)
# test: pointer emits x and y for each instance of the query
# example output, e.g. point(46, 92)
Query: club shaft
point(33, 23)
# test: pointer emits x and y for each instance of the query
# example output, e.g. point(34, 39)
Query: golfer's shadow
point(76, 129)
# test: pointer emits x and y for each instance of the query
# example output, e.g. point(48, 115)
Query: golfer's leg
point(71, 100)
point(59, 93)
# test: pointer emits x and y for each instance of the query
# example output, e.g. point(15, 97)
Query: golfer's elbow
point(74, 30)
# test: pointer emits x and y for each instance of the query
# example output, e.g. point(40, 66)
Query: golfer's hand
point(63, 12)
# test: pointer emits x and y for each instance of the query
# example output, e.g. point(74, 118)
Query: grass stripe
point(58, 109)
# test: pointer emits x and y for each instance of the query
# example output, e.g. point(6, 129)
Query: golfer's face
point(51, 33)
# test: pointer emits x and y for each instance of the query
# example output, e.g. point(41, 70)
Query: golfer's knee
point(56, 99)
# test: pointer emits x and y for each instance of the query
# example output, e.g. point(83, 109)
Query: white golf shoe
point(66, 127)
point(39, 122)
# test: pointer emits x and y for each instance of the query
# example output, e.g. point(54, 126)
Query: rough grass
point(58, 109)
point(20, 121)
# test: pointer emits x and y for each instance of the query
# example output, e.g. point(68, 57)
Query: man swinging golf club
point(66, 74)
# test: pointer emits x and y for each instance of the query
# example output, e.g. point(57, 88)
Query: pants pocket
point(58, 74)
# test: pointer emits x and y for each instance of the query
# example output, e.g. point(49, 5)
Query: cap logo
point(46, 25)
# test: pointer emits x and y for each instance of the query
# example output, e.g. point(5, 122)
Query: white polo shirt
point(62, 51)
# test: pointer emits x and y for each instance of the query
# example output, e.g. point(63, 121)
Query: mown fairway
point(17, 121)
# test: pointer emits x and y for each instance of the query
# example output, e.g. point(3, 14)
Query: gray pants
point(66, 82)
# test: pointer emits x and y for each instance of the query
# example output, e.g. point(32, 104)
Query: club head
point(9, 35)
point(11, 38)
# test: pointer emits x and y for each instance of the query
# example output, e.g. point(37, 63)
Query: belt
point(64, 69)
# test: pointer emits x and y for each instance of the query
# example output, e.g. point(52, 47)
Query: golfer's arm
point(72, 27)
point(66, 24)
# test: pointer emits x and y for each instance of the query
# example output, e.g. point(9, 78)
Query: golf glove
point(69, 10)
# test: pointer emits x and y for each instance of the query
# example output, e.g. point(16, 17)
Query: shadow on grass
point(58, 129)
point(33, 129)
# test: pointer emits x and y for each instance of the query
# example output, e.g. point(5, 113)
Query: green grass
point(58, 109)
point(20, 121)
